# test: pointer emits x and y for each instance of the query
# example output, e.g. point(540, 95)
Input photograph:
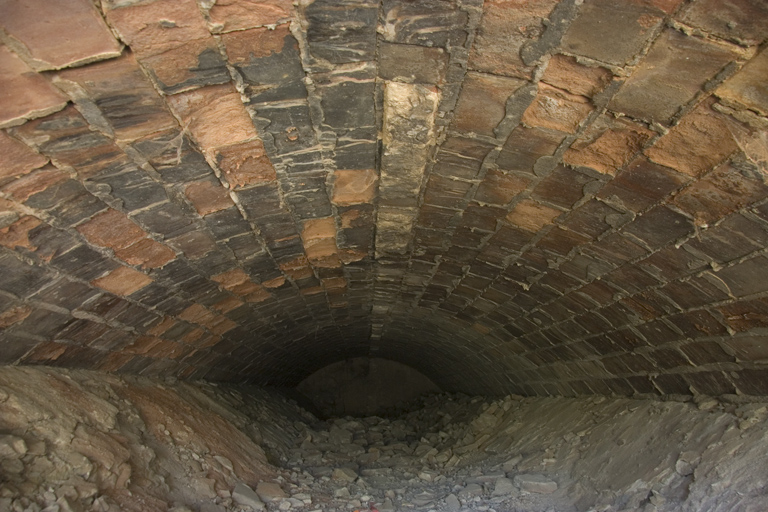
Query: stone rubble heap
point(77, 441)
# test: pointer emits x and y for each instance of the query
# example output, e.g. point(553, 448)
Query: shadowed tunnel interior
point(533, 197)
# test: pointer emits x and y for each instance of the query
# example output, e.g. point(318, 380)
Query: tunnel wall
point(541, 198)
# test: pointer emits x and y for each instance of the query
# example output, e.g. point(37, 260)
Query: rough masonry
point(533, 197)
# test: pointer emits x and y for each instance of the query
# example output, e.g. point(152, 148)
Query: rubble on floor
point(82, 441)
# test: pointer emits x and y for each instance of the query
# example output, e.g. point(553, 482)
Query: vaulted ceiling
point(536, 197)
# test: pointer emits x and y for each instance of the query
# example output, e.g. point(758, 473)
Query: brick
point(752, 381)
point(18, 159)
point(111, 229)
point(607, 145)
point(245, 164)
point(54, 36)
point(738, 19)
point(500, 187)
point(525, 146)
point(482, 103)
point(319, 237)
point(532, 216)
point(14, 315)
point(146, 253)
point(447, 192)
point(675, 69)
point(202, 111)
point(505, 28)
point(556, 109)
point(745, 315)
point(354, 186)
point(710, 383)
point(563, 187)
point(412, 64)
point(17, 234)
point(660, 226)
point(566, 73)
point(440, 23)
point(611, 33)
point(123, 281)
point(208, 197)
point(124, 96)
point(25, 94)
point(642, 184)
point(747, 277)
point(697, 144)
point(194, 244)
point(747, 87)
point(706, 352)
point(337, 38)
point(231, 15)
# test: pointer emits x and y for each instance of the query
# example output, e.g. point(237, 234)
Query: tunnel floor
point(84, 441)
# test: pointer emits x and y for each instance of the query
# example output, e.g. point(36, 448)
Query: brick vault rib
point(551, 198)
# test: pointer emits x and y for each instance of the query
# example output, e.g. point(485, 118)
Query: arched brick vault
point(537, 197)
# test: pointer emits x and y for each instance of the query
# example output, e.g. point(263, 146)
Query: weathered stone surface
point(354, 187)
point(701, 141)
point(747, 87)
point(675, 69)
point(740, 19)
point(412, 64)
point(25, 95)
point(482, 103)
point(123, 281)
point(556, 109)
point(532, 216)
point(535, 483)
point(611, 33)
point(231, 15)
point(19, 159)
point(68, 33)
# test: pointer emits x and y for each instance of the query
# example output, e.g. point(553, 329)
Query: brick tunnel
point(534, 198)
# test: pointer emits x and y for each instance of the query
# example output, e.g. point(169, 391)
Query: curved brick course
point(550, 198)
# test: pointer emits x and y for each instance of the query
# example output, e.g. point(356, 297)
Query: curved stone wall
point(550, 198)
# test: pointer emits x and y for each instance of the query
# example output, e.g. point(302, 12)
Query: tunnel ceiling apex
point(537, 197)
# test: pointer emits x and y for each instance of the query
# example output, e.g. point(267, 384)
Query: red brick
point(147, 253)
point(208, 197)
point(229, 15)
point(259, 294)
point(111, 229)
point(123, 281)
point(556, 109)
point(566, 73)
point(221, 324)
point(526, 145)
point(297, 269)
point(354, 186)
point(608, 144)
point(23, 93)
point(178, 68)
point(59, 34)
point(697, 144)
point(505, 27)
point(214, 115)
point(532, 216)
point(18, 158)
point(245, 164)
point(482, 103)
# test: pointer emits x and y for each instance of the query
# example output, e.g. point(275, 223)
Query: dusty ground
point(81, 441)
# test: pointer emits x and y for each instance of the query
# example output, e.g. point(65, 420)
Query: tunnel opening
point(365, 387)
